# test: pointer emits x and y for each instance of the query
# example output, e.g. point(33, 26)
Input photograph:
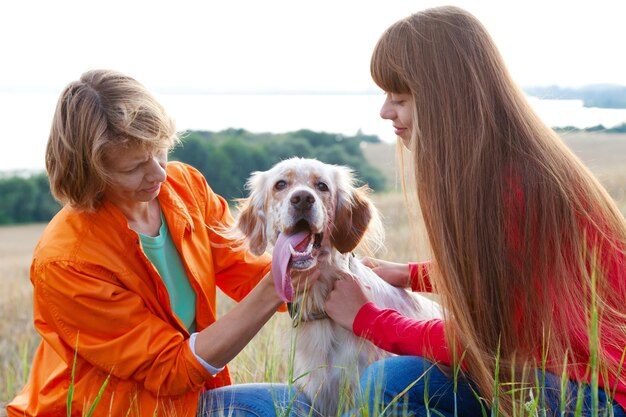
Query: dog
point(314, 213)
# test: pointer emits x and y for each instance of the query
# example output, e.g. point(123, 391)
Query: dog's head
point(314, 201)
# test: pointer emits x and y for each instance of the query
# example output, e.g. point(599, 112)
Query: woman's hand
point(396, 274)
point(346, 299)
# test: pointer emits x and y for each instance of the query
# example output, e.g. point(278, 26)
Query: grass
point(18, 338)
point(266, 358)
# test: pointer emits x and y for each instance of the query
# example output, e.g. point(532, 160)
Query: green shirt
point(166, 259)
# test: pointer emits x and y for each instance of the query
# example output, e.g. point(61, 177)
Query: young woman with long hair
point(527, 247)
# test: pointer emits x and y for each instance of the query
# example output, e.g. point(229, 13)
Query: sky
point(287, 46)
point(268, 46)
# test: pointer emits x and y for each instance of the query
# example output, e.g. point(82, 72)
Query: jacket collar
point(172, 205)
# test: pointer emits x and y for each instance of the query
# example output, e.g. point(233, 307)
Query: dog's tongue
point(280, 263)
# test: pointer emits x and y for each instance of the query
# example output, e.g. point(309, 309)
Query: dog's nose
point(302, 200)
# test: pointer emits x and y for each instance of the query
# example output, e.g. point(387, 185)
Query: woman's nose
point(157, 171)
point(386, 111)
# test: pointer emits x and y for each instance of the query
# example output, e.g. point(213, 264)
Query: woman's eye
point(280, 185)
point(398, 99)
point(130, 170)
point(322, 186)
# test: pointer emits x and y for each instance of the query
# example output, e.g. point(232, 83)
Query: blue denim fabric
point(254, 400)
point(550, 398)
point(414, 386)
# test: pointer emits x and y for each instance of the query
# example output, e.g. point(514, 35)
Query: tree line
point(225, 158)
point(598, 128)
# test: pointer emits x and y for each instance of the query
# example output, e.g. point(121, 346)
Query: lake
point(26, 117)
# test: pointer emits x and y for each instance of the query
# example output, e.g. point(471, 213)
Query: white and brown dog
point(313, 216)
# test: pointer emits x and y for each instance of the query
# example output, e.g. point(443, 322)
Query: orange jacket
point(94, 289)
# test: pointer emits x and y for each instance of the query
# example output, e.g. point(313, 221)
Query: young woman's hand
point(396, 274)
point(346, 299)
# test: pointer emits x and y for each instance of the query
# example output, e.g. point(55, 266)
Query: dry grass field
point(604, 154)
point(17, 335)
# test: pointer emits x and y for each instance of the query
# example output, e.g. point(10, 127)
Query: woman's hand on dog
point(346, 299)
point(396, 274)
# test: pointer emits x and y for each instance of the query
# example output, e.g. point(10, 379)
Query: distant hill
point(607, 96)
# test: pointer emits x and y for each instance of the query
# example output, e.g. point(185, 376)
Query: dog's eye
point(322, 186)
point(280, 185)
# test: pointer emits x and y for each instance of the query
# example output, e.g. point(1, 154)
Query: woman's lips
point(399, 130)
point(152, 189)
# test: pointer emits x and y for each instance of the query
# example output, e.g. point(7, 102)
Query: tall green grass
point(70, 393)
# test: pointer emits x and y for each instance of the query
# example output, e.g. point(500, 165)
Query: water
point(26, 117)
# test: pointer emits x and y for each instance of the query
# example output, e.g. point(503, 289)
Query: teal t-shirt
point(166, 259)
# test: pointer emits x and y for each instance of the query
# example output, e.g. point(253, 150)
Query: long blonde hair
point(516, 223)
point(104, 108)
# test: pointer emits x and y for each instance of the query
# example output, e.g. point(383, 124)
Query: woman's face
point(399, 109)
point(136, 175)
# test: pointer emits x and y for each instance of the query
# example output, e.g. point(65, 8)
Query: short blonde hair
point(102, 109)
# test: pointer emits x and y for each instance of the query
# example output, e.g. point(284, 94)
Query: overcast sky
point(294, 46)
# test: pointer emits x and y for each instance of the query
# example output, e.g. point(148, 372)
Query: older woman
point(125, 274)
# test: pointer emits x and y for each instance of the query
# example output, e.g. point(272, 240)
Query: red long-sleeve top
point(393, 332)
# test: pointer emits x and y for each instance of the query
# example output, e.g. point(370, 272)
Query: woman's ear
point(352, 217)
point(251, 222)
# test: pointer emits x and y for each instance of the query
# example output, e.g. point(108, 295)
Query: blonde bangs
point(152, 127)
point(141, 121)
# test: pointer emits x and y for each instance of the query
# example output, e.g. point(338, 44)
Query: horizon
point(29, 117)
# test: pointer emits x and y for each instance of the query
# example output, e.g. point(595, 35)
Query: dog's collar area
point(296, 316)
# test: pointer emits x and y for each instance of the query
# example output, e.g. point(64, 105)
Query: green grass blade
point(396, 399)
point(564, 381)
point(593, 341)
point(496, 385)
point(457, 369)
point(70, 391)
point(98, 397)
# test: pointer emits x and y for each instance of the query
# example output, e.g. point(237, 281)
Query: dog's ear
point(353, 214)
point(251, 222)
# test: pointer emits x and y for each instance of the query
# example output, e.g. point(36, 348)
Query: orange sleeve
point(83, 305)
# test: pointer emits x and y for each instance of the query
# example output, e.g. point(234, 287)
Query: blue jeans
point(414, 386)
point(254, 400)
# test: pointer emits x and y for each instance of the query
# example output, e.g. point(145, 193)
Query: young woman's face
point(399, 109)
point(136, 174)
